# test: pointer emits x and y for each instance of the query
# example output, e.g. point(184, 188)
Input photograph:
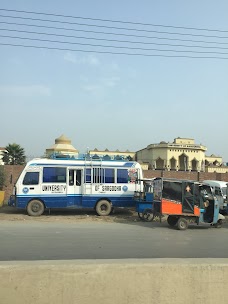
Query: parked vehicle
point(144, 200)
point(220, 190)
point(182, 201)
point(76, 183)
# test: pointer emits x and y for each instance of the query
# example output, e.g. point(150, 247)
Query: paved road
point(61, 241)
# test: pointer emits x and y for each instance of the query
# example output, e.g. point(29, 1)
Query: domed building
point(182, 154)
point(62, 146)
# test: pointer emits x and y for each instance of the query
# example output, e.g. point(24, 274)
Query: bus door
point(74, 188)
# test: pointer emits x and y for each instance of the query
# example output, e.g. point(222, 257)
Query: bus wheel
point(103, 207)
point(35, 208)
point(182, 223)
point(172, 220)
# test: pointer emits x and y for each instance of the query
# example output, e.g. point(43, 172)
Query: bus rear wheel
point(103, 208)
point(35, 208)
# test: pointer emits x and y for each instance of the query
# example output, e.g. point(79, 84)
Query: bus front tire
point(103, 208)
point(35, 208)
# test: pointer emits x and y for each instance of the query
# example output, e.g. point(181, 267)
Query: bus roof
point(82, 162)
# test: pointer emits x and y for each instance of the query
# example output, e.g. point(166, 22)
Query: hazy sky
point(114, 101)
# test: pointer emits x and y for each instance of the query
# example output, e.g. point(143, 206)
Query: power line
point(113, 40)
point(113, 27)
point(115, 21)
point(108, 33)
point(112, 46)
point(113, 53)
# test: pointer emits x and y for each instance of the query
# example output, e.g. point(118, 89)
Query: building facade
point(63, 146)
point(118, 155)
point(182, 154)
point(213, 160)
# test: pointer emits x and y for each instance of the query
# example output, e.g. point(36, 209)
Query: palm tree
point(14, 155)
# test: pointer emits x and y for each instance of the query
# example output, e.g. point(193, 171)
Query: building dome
point(62, 146)
point(62, 140)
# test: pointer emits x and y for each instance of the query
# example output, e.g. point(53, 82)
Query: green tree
point(14, 155)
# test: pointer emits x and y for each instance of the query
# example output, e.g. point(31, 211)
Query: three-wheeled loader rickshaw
point(183, 202)
point(144, 200)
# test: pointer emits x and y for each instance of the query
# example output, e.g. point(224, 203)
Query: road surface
point(105, 240)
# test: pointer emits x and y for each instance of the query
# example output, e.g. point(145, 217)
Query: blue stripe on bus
point(75, 201)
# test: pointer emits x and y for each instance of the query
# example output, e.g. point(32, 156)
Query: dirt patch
point(119, 215)
point(74, 215)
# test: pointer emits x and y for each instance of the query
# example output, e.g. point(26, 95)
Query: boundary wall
point(160, 281)
point(12, 173)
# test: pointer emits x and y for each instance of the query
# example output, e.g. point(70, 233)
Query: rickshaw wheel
point(182, 223)
point(140, 215)
point(148, 215)
point(172, 220)
point(218, 224)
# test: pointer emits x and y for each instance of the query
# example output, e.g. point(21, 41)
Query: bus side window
point(31, 178)
point(71, 177)
point(54, 175)
point(122, 176)
point(88, 176)
point(109, 176)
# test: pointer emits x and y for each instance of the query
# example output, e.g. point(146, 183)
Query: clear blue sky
point(114, 101)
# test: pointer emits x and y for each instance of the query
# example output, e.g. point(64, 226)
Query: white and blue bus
point(76, 183)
